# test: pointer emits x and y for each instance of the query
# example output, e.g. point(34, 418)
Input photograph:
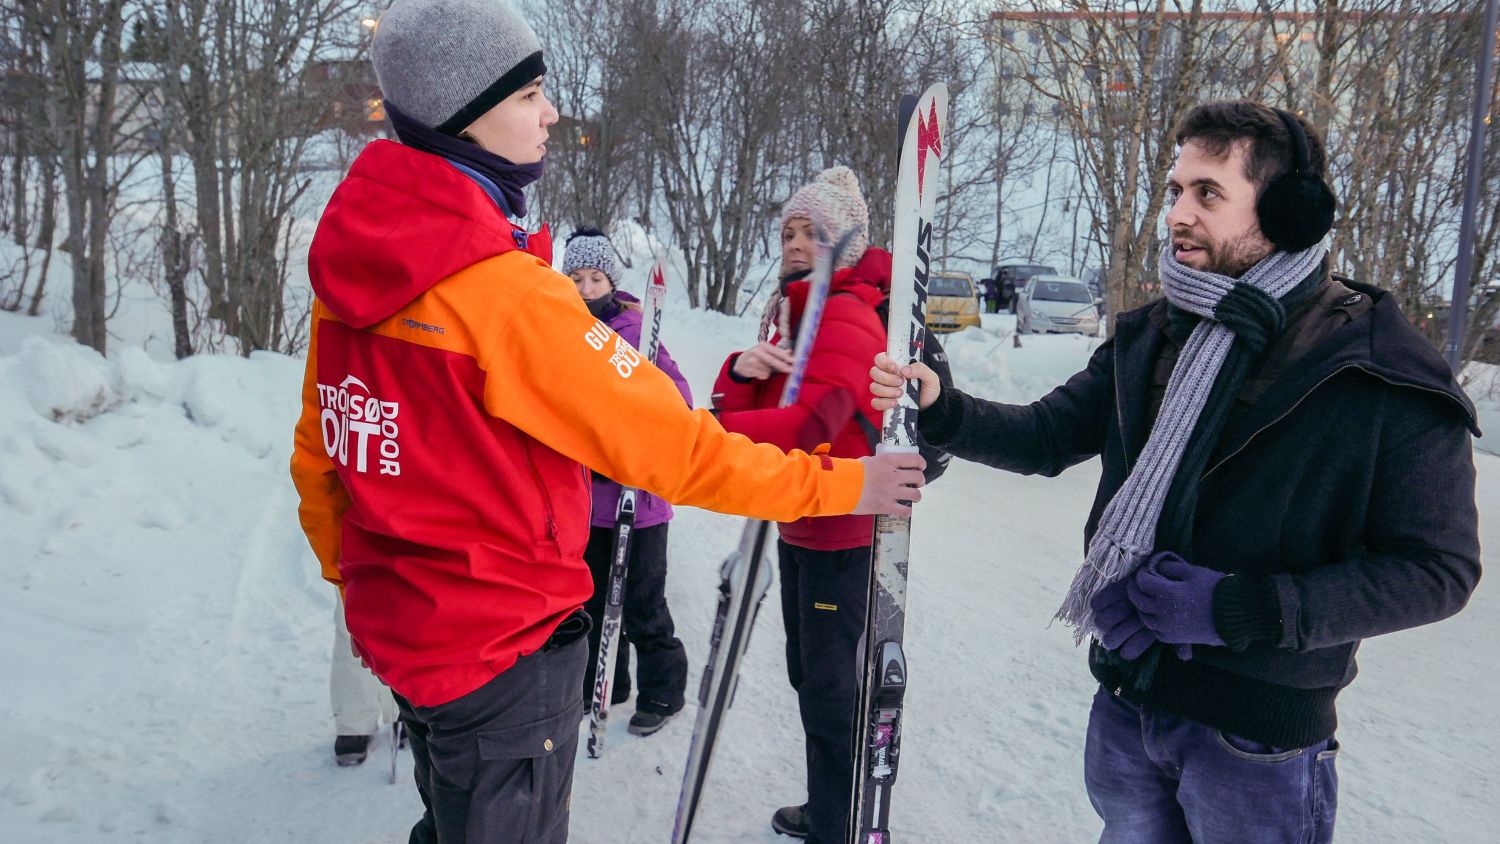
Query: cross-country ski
point(614, 604)
point(745, 577)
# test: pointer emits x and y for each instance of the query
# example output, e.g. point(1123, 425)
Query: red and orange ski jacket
point(456, 387)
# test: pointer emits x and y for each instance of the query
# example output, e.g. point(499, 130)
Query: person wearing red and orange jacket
point(456, 390)
point(825, 560)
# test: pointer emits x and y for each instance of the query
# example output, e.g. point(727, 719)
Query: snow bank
point(986, 361)
point(165, 623)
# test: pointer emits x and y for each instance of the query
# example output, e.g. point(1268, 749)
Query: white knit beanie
point(835, 204)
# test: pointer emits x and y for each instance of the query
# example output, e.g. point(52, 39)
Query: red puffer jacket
point(837, 384)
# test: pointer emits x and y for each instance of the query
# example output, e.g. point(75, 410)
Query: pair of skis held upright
point(745, 577)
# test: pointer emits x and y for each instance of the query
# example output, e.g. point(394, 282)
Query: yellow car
point(952, 302)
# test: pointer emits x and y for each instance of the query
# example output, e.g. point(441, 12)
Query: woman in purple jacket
point(661, 669)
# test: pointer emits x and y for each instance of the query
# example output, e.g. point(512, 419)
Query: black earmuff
point(1296, 208)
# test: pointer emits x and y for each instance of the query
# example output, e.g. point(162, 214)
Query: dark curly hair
point(1218, 125)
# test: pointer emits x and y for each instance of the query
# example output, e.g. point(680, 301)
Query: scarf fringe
point(1106, 563)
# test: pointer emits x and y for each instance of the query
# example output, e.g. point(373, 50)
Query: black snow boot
point(350, 750)
point(644, 722)
point(791, 820)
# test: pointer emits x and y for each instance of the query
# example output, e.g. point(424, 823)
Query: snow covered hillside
point(167, 636)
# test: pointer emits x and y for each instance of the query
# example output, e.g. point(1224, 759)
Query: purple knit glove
point(1176, 601)
point(1119, 624)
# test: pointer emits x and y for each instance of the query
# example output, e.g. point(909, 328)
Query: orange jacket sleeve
point(563, 377)
point(323, 498)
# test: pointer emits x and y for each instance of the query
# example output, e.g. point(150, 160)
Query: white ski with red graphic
point(877, 736)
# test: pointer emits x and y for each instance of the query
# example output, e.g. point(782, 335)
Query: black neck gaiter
point(510, 178)
point(601, 308)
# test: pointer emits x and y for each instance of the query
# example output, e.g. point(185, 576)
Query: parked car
point(1056, 304)
point(952, 302)
point(1011, 276)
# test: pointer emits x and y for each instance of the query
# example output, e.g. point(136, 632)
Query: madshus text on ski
point(472, 480)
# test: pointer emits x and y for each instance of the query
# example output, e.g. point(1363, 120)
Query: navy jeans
point(1159, 779)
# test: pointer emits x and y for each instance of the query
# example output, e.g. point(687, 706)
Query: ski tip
point(831, 250)
point(658, 278)
point(908, 106)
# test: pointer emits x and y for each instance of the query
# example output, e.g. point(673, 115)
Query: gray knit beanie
point(834, 203)
point(446, 62)
point(590, 249)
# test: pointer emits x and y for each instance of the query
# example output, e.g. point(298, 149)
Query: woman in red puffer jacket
point(825, 562)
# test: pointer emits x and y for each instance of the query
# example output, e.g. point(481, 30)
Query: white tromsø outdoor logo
point(624, 358)
point(350, 412)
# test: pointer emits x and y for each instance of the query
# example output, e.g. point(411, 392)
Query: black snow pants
point(661, 669)
point(823, 597)
point(497, 763)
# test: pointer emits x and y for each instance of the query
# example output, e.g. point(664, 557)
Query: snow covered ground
point(167, 636)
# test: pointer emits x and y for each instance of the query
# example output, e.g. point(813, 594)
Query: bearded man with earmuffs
point(1287, 470)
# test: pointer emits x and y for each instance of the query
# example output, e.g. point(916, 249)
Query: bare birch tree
point(30, 183)
point(81, 50)
point(1390, 82)
point(598, 165)
point(720, 132)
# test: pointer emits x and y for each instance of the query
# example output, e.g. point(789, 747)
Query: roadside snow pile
point(164, 614)
point(66, 412)
point(71, 385)
point(67, 382)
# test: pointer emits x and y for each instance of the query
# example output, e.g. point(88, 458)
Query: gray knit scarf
point(1249, 309)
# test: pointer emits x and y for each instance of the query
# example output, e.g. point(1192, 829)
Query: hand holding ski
point(892, 484)
point(889, 382)
point(763, 360)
